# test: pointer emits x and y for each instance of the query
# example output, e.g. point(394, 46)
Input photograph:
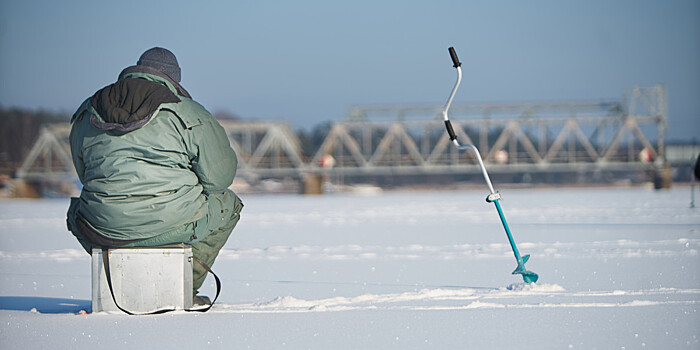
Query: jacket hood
point(131, 102)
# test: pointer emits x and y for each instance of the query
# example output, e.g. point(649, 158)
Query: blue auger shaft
point(528, 276)
point(510, 236)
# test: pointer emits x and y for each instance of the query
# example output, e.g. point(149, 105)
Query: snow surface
point(619, 269)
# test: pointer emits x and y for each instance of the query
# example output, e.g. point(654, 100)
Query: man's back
point(135, 161)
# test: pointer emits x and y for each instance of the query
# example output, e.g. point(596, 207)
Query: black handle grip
point(450, 130)
point(455, 60)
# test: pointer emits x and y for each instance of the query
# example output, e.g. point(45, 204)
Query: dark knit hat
point(162, 60)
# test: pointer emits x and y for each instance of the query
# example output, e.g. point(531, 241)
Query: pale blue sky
point(305, 62)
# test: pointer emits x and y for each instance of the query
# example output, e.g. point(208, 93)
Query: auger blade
point(528, 276)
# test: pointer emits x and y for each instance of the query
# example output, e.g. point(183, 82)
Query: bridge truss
point(624, 135)
point(561, 137)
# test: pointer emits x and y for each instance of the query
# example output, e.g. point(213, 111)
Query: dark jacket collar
point(150, 70)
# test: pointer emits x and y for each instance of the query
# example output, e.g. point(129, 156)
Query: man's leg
point(208, 248)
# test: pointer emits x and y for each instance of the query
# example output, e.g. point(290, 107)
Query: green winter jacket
point(148, 156)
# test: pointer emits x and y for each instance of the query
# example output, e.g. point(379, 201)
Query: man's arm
point(215, 162)
point(76, 147)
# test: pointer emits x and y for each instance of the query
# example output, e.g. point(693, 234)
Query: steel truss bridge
point(577, 137)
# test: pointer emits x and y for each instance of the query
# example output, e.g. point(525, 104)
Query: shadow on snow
point(44, 305)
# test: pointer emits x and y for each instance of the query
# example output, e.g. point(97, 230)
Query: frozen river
point(619, 269)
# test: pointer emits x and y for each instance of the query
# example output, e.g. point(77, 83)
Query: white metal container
point(143, 279)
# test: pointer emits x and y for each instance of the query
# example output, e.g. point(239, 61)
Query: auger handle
point(455, 60)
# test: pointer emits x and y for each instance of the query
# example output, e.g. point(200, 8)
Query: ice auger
point(493, 197)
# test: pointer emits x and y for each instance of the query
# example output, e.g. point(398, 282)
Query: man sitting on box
point(154, 164)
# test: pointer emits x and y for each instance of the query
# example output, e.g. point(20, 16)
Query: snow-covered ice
point(619, 269)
